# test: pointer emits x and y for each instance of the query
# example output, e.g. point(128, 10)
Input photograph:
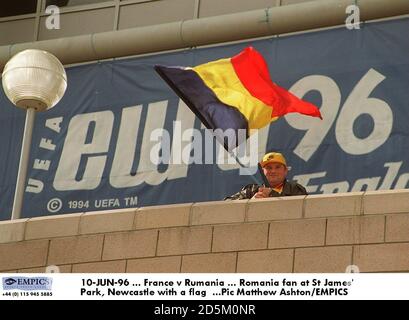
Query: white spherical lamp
point(34, 79)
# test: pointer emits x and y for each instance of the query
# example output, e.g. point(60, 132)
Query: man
point(275, 169)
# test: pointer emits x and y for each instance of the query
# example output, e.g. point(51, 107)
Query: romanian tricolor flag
point(234, 93)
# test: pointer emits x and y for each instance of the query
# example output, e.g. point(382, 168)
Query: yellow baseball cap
point(273, 157)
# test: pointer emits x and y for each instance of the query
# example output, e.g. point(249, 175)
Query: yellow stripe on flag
point(221, 78)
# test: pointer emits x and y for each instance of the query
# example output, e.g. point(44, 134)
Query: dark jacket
point(290, 188)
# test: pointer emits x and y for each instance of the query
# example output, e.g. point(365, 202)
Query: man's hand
point(262, 193)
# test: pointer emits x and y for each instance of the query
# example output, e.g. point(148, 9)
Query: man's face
point(275, 173)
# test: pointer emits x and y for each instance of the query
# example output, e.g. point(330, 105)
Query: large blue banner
point(96, 149)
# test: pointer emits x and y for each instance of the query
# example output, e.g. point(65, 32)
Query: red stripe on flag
point(252, 70)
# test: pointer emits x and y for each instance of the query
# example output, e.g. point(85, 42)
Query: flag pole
point(263, 176)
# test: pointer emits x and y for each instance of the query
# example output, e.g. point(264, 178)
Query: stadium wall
point(316, 233)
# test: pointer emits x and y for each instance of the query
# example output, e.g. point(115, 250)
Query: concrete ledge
point(184, 240)
point(12, 231)
point(275, 208)
point(75, 249)
point(24, 254)
point(382, 257)
point(397, 228)
point(248, 236)
point(317, 233)
point(323, 259)
point(333, 205)
point(155, 265)
point(133, 244)
point(53, 226)
point(297, 233)
point(62, 269)
point(218, 212)
point(270, 261)
point(107, 221)
point(117, 266)
point(210, 263)
point(386, 201)
point(163, 216)
point(354, 230)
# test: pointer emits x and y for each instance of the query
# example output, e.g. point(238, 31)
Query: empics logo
point(27, 283)
point(10, 281)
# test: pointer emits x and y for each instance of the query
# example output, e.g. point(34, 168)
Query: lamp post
point(34, 80)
